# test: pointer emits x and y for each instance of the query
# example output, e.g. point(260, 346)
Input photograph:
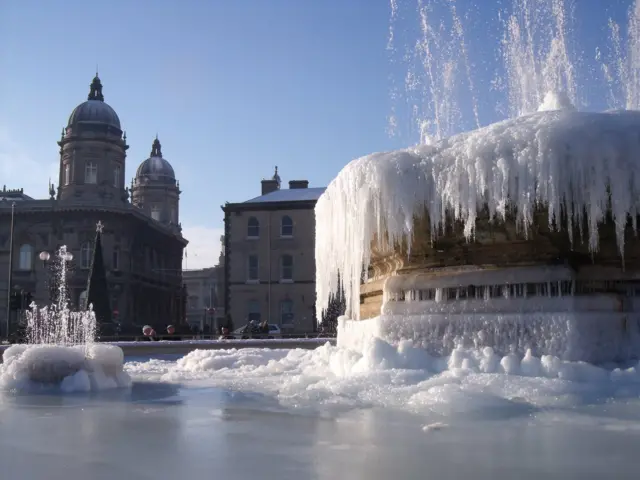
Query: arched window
point(82, 301)
point(155, 212)
point(117, 172)
point(90, 173)
point(253, 228)
point(115, 259)
point(85, 255)
point(286, 312)
point(67, 174)
point(286, 226)
point(286, 268)
point(25, 262)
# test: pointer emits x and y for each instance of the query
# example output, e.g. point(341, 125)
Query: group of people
point(149, 332)
point(252, 329)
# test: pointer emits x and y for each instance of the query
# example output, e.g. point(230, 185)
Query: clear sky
point(232, 88)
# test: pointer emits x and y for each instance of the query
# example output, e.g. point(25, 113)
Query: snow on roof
point(560, 158)
point(290, 195)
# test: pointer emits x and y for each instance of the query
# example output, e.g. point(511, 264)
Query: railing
point(191, 337)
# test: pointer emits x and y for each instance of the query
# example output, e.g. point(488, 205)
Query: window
point(253, 228)
point(116, 176)
point(85, 255)
point(91, 173)
point(115, 259)
point(67, 174)
point(252, 274)
point(253, 311)
point(174, 215)
point(155, 212)
point(82, 300)
point(194, 302)
point(286, 270)
point(286, 312)
point(25, 261)
point(286, 227)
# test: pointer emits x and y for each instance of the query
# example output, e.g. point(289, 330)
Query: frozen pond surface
point(162, 429)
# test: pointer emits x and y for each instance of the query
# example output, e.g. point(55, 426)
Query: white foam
point(468, 382)
point(80, 368)
point(564, 159)
point(555, 101)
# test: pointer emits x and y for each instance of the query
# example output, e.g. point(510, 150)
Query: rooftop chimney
point(293, 184)
point(269, 186)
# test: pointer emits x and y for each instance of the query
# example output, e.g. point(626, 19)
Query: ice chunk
point(75, 368)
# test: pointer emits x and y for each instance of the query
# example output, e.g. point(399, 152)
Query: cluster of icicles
point(584, 163)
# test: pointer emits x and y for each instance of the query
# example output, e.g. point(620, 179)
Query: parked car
point(253, 331)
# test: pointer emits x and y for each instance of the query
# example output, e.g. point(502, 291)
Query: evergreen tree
point(336, 307)
point(97, 288)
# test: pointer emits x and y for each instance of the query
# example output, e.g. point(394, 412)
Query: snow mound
point(582, 162)
point(79, 368)
point(378, 374)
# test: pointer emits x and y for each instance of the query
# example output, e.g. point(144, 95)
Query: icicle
point(569, 160)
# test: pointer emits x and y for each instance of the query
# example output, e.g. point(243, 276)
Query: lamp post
point(10, 275)
point(45, 256)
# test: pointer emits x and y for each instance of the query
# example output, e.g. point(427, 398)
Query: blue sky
point(232, 87)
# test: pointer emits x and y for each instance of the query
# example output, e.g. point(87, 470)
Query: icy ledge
point(596, 338)
point(561, 158)
point(70, 369)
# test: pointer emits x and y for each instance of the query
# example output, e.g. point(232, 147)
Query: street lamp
point(44, 256)
point(10, 273)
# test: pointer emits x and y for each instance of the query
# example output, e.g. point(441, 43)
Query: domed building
point(92, 153)
point(141, 238)
point(155, 189)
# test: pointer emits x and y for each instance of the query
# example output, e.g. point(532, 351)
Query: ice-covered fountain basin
point(518, 235)
point(525, 171)
point(71, 368)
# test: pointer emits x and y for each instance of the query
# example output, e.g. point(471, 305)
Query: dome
point(155, 167)
point(94, 110)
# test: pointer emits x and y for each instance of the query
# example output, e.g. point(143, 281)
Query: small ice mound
point(555, 101)
point(434, 427)
point(79, 368)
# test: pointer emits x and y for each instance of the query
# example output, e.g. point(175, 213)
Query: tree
point(98, 289)
point(336, 307)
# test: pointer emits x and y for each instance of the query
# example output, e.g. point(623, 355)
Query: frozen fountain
point(61, 351)
point(520, 235)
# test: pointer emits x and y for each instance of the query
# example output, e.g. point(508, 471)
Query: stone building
point(270, 256)
point(142, 239)
point(205, 299)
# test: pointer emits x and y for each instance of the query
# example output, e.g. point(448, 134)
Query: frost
point(562, 158)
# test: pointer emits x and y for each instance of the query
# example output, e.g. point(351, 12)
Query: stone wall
point(497, 244)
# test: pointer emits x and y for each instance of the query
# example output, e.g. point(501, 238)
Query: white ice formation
point(404, 376)
point(81, 368)
point(562, 158)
